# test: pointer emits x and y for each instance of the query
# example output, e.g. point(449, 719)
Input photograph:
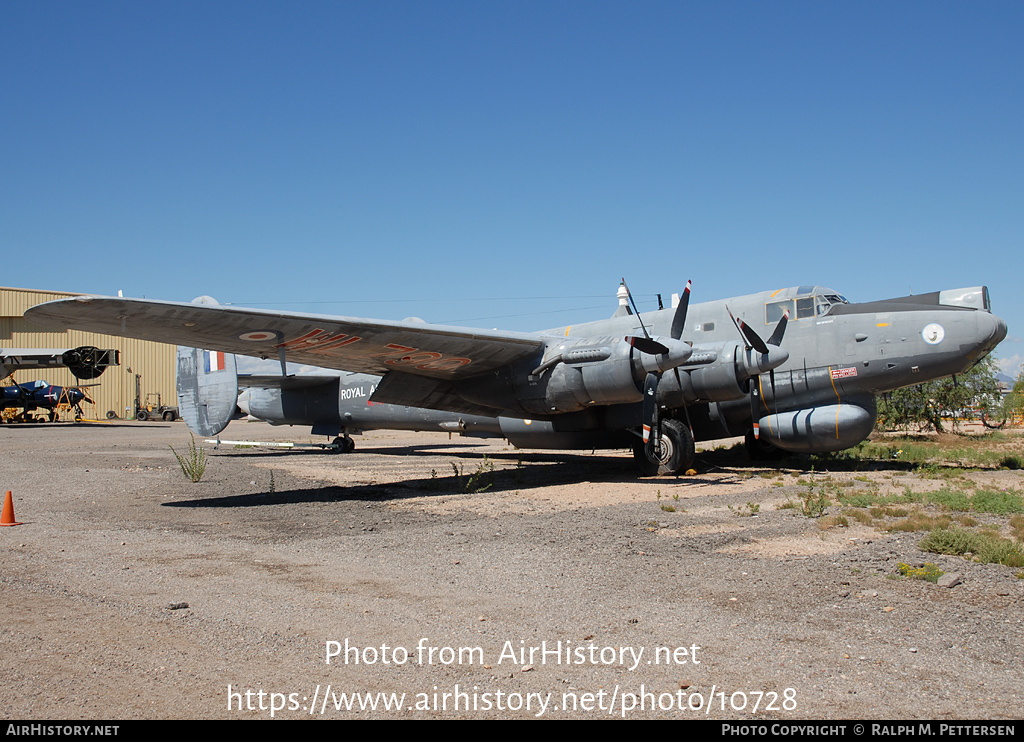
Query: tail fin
point(207, 389)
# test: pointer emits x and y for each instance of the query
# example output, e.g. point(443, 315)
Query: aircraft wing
point(345, 343)
point(32, 358)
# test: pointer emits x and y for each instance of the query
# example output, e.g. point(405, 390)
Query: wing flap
point(418, 391)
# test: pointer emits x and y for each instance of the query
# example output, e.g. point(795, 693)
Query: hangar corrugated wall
point(116, 390)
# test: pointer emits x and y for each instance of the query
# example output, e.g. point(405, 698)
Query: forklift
point(153, 409)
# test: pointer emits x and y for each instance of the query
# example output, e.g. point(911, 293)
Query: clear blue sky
point(505, 163)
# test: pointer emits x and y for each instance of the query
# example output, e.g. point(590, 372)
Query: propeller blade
point(780, 330)
point(647, 345)
point(679, 319)
point(650, 410)
point(635, 310)
point(753, 339)
point(755, 410)
point(776, 340)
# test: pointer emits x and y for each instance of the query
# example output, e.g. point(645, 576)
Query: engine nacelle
point(721, 375)
point(820, 429)
point(595, 374)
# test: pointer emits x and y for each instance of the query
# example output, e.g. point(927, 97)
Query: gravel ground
point(130, 592)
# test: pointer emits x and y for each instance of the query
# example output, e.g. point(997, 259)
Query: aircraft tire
point(345, 444)
point(111, 415)
point(676, 455)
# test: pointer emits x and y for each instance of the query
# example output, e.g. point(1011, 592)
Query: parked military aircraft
point(40, 395)
point(632, 380)
point(85, 362)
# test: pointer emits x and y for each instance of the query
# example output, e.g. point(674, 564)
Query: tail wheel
point(672, 454)
point(345, 444)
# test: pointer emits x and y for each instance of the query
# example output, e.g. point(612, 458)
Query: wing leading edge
point(345, 343)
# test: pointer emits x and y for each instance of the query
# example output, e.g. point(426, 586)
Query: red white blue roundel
point(261, 336)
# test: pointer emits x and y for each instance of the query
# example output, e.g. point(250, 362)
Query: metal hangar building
point(154, 362)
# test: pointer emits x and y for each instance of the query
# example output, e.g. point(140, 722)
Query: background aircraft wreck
point(39, 395)
point(654, 381)
point(85, 362)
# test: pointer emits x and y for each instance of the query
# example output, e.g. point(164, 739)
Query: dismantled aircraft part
point(88, 362)
point(207, 385)
point(85, 362)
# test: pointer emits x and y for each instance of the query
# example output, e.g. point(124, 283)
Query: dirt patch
point(459, 573)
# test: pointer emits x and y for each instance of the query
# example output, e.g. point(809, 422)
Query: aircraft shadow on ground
point(471, 478)
point(478, 472)
point(418, 450)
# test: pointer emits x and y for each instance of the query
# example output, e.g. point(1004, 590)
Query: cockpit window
point(801, 308)
point(773, 311)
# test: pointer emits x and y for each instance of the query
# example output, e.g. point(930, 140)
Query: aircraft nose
point(992, 329)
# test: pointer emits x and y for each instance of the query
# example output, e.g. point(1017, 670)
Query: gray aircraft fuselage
point(341, 405)
point(840, 356)
point(822, 398)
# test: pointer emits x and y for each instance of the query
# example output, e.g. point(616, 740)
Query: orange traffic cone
point(7, 517)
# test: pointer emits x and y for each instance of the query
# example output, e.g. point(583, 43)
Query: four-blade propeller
point(647, 344)
point(755, 342)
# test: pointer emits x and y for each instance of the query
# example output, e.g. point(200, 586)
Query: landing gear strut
point(672, 454)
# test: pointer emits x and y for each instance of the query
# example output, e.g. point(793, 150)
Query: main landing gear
point(671, 454)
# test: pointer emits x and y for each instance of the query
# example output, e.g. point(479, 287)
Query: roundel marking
point(933, 333)
point(260, 336)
